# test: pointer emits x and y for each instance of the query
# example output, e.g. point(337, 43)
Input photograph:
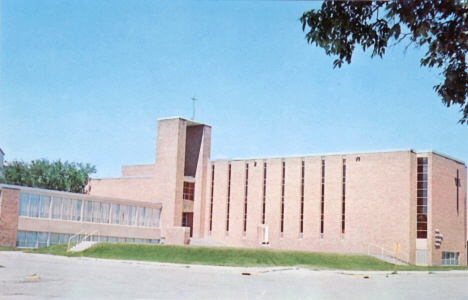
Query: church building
point(344, 203)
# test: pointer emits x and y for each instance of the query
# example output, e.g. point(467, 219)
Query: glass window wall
point(39, 206)
point(450, 258)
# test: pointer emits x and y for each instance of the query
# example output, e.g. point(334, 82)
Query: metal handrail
point(91, 234)
point(376, 246)
point(69, 240)
point(406, 254)
point(391, 253)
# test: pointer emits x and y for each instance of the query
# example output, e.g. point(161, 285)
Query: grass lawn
point(10, 249)
point(234, 257)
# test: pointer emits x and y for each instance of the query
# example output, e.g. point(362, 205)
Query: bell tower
point(182, 154)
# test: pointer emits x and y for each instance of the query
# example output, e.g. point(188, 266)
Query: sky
point(86, 81)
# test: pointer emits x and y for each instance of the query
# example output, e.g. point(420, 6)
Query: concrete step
point(389, 259)
point(82, 246)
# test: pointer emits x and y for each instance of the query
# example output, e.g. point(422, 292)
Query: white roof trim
point(442, 154)
point(310, 155)
point(124, 177)
point(341, 153)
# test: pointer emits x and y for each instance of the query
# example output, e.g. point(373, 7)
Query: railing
point(69, 240)
point(406, 255)
point(387, 252)
point(91, 234)
point(86, 236)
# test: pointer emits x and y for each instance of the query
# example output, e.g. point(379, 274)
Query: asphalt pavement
point(38, 276)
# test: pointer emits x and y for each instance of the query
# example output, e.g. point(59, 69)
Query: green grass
point(9, 249)
point(235, 257)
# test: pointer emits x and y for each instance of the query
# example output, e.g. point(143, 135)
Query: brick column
point(9, 205)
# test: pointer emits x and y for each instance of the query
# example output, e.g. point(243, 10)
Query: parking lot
point(35, 276)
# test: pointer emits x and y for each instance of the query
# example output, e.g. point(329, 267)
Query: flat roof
point(443, 155)
point(189, 122)
point(341, 153)
point(69, 195)
point(123, 177)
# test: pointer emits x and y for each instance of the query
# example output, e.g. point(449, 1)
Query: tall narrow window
point(57, 209)
point(211, 198)
point(343, 204)
point(228, 199)
point(67, 209)
point(458, 184)
point(45, 207)
point(246, 196)
point(76, 210)
point(34, 205)
point(422, 198)
point(23, 205)
point(302, 199)
point(264, 192)
point(282, 198)
point(322, 202)
point(115, 213)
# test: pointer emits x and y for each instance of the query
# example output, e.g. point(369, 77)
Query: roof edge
point(317, 154)
point(189, 122)
point(124, 177)
point(79, 196)
point(443, 155)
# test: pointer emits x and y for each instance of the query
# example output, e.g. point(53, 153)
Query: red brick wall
point(138, 189)
point(139, 170)
point(170, 161)
point(379, 196)
point(445, 217)
point(9, 205)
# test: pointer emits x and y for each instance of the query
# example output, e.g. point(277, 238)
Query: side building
point(2, 155)
point(343, 203)
point(32, 217)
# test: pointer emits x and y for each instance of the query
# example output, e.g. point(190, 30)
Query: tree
point(68, 177)
point(441, 26)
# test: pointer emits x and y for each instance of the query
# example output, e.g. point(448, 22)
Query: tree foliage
point(440, 26)
point(57, 175)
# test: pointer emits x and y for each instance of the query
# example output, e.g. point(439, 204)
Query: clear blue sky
point(86, 81)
